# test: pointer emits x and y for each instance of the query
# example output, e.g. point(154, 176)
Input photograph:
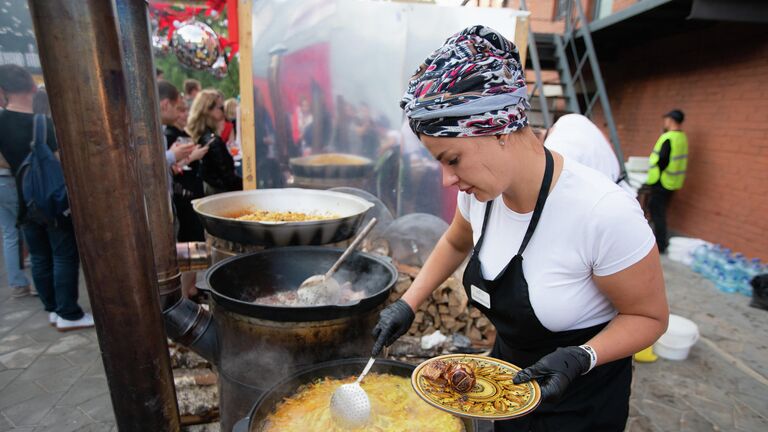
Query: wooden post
point(521, 37)
point(93, 84)
point(248, 126)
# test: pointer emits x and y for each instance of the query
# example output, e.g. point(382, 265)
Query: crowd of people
point(200, 133)
point(200, 138)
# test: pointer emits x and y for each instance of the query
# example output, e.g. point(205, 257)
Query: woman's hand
point(556, 371)
point(198, 153)
point(394, 321)
point(181, 150)
point(449, 252)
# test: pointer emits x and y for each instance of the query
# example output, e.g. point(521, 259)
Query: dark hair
point(167, 90)
point(16, 79)
point(191, 85)
point(158, 72)
point(676, 115)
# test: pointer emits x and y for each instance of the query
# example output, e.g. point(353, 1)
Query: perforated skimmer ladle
point(350, 406)
point(324, 289)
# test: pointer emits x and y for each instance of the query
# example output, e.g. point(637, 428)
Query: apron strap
point(479, 244)
point(543, 193)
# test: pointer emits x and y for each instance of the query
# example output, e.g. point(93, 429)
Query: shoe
point(64, 325)
point(52, 318)
point(33, 291)
point(22, 291)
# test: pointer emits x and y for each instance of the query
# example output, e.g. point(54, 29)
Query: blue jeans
point(9, 210)
point(55, 266)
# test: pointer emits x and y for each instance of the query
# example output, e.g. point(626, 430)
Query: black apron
point(598, 401)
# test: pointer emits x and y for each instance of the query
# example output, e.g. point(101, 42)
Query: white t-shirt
point(589, 226)
point(575, 137)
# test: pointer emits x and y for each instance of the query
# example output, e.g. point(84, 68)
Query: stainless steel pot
point(218, 214)
point(307, 166)
point(287, 387)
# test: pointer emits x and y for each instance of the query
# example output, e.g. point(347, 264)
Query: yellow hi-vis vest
point(673, 176)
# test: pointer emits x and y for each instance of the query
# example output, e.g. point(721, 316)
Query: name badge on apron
point(480, 296)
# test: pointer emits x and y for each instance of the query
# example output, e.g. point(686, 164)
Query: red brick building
point(654, 58)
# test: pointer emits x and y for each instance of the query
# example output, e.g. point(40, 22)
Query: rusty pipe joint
point(191, 325)
point(193, 256)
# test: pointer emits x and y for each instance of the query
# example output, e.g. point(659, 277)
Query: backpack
point(40, 179)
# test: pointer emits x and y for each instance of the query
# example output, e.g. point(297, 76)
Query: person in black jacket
point(182, 157)
point(218, 168)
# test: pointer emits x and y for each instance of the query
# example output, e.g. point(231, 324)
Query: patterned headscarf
point(471, 86)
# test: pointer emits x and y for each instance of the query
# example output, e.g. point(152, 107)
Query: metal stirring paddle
point(350, 406)
point(324, 289)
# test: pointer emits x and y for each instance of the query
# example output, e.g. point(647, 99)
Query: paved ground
point(49, 381)
point(55, 382)
point(723, 385)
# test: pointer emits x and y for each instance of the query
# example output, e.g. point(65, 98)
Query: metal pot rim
point(196, 204)
point(333, 311)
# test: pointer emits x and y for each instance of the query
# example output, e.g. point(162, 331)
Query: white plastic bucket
point(676, 342)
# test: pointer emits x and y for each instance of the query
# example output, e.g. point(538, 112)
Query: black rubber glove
point(555, 371)
point(394, 321)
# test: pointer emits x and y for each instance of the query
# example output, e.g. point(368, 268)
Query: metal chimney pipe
point(87, 81)
point(185, 321)
point(133, 32)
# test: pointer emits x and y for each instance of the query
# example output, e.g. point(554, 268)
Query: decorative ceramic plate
point(494, 396)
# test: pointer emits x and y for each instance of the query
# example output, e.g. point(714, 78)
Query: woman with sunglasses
point(218, 168)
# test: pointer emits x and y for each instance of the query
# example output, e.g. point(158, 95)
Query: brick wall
point(719, 77)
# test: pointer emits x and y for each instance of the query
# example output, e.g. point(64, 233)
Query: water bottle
point(716, 259)
point(731, 275)
point(745, 288)
point(721, 281)
point(700, 255)
point(708, 267)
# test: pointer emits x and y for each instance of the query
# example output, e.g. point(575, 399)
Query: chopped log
point(403, 283)
point(475, 334)
point(192, 377)
point(419, 317)
point(432, 309)
point(482, 322)
point(411, 271)
point(449, 321)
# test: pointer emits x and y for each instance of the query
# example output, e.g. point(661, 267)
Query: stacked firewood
point(446, 310)
point(196, 389)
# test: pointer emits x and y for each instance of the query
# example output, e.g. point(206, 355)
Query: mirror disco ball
point(220, 68)
point(196, 45)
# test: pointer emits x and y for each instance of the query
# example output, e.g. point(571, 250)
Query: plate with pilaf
point(492, 396)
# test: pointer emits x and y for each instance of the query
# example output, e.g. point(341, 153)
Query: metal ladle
point(324, 289)
point(350, 406)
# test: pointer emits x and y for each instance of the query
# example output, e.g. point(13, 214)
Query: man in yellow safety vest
point(666, 173)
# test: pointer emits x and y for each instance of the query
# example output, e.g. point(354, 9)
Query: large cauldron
point(259, 344)
point(266, 404)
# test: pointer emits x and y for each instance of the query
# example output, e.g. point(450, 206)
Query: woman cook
point(562, 260)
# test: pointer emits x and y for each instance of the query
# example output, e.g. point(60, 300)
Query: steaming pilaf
point(336, 159)
point(394, 407)
point(288, 216)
